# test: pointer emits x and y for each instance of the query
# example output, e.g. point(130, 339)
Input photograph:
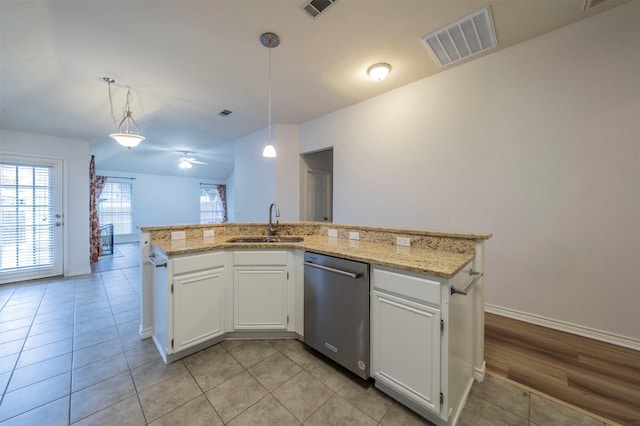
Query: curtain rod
point(118, 177)
point(204, 183)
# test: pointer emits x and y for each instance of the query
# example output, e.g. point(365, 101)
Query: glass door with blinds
point(31, 219)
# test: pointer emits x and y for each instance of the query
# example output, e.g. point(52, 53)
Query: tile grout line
point(135, 387)
point(13, 370)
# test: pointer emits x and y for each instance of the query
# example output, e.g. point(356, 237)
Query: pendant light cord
point(270, 94)
point(113, 116)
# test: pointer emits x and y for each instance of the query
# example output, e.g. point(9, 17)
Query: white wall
point(287, 172)
point(162, 200)
point(259, 181)
point(75, 158)
point(537, 144)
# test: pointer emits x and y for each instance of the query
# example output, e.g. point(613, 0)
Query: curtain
point(222, 193)
point(96, 185)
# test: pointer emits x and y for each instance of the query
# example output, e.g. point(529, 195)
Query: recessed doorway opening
point(317, 186)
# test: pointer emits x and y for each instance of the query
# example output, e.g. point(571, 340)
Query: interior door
point(31, 219)
point(318, 196)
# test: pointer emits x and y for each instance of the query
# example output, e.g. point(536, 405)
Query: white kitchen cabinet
point(198, 306)
point(261, 290)
point(422, 346)
point(406, 348)
point(189, 302)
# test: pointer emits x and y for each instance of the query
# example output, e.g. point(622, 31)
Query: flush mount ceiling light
point(379, 72)
point(125, 138)
point(269, 40)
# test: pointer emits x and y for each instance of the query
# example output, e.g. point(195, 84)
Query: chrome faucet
point(271, 230)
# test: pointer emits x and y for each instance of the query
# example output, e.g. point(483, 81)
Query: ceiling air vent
point(469, 36)
point(224, 113)
point(315, 8)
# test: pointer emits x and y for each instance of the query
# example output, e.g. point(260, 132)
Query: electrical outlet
point(333, 233)
point(354, 235)
point(209, 233)
point(401, 241)
point(178, 235)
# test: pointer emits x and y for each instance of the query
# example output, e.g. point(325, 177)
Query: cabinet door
point(260, 297)
point(405, 353)
point(198, 303)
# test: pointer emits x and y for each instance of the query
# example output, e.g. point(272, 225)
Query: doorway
point(317, 186)
point(31, 218)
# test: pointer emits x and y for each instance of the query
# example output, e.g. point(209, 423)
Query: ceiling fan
point(186, 162)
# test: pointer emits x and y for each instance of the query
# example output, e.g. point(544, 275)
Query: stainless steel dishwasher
point(336, 310)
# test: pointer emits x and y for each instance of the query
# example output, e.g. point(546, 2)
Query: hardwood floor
point(598, 377)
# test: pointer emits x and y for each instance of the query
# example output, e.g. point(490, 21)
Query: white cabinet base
point(405, 344)
point(423, 341)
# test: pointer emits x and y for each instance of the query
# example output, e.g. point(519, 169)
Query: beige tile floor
point(70, 354)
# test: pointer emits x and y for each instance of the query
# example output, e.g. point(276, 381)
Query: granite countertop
point(439, 263)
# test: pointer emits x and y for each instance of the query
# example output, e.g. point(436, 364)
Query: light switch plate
point(354, 235)
point(178, 235)
point(333, 233)
point(209, 233)
point(401, 241)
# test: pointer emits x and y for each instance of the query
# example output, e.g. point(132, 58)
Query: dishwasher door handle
point(337, 271)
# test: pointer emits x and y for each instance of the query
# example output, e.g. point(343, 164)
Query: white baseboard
point(145, 332)
point(591, 333)
point(77, 272)
point(480, 373)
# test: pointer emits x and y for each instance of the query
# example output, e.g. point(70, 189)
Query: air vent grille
point(315, 8)
point(467, 37)
point(224, 113)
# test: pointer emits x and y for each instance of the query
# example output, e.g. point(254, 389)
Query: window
point(27, 213)
point(213, 203)
point(114, 206)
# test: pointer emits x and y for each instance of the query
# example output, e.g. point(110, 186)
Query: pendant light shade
point(129, 140)
point(269, 150)
point(269, 40)
point(126, 138)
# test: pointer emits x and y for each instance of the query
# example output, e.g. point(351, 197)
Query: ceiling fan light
point(185, 165)
point(269, 151)
point(379, 72)
point(128, 140)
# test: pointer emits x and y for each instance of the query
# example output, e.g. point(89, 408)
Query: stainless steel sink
point(248, 240)
point(286, 239)
point(266, 240)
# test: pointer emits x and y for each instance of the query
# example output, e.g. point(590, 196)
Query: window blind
point(115, 207)
point(27, 217)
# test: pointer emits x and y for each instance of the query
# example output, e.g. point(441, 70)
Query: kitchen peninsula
point(202, 284)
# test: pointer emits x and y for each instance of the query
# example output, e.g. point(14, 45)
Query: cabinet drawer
point(407, 284)
point(264, 257)
point(197, 262)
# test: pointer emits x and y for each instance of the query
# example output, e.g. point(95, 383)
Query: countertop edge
point(212, 245)
point(403, 231)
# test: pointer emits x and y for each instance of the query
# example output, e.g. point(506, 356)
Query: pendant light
point(269, 40)
point(127, 138)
